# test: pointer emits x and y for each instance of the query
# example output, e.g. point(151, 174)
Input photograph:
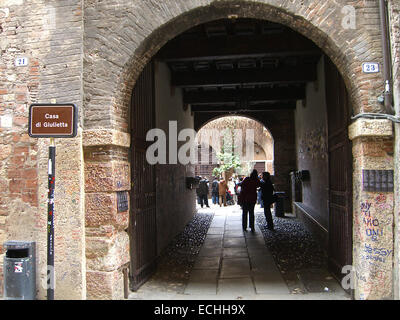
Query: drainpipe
point(388, 95)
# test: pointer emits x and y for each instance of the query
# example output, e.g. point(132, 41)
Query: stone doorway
point(253, 72)
point(115, 122)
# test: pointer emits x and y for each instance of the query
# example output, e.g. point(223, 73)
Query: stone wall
point(49, 35)
point(372, 211)
point(312, 148)
point(90, 53)
point(175, 203)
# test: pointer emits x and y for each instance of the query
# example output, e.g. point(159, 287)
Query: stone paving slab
point(218, 224)
point(216, 231)
point(215, 236)
point(234, 233)
point(263, 265)
point(238, 287)
point(259, 252)
point(210, 252)
point(212, 243)
point(235, 253)
point(235, 268)
point(233, 227)
point(234, 243)
point(255, 242)
point(202, 282)
point(207, 263)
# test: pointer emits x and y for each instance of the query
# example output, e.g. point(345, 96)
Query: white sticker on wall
point(21, 61)
point(6, 121)
point(370, 67)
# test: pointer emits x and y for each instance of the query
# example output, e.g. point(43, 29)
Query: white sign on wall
point(21, 61)
point(370, 67)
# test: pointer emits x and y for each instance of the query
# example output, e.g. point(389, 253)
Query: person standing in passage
point(267, 195)
point(214, 191)
point(259, 198)
point(203, 192)
point(222, 192)
point(249, 199)
point(198, 190)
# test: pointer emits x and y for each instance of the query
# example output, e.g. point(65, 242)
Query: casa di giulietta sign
point(53, 120)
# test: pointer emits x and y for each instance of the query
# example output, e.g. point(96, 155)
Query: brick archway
point(120, 40)
point(115, 57)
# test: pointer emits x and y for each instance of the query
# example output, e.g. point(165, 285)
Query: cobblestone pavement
point(214, 259)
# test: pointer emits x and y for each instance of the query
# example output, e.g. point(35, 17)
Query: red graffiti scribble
point(381, 198)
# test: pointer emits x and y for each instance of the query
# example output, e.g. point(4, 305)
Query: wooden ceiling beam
point(268, 45)
point(260, 94)
point(218, 78)
point(249, 108)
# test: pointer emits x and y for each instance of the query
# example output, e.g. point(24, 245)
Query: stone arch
point(264, 142)
point(251, 117)
point(127, 38)
point(119, 40)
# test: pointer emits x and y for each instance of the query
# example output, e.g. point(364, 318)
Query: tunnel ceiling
point(241, 65)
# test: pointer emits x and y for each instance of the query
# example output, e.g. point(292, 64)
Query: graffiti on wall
point(373, 227)
point(314, 144)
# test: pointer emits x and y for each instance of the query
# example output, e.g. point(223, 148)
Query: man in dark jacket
point(215, 192)
point(249, 198)
point(203, 192)
point(267, 195)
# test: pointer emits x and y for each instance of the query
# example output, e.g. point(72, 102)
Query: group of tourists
point(221, 192)
point(247, 192)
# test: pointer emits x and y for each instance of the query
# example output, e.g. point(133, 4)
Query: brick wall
point(49, 35)
point(94, 63)
point(121, 36)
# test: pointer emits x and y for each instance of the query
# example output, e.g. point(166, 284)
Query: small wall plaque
point(370, 67)
point(21, 62)
point(122, 201)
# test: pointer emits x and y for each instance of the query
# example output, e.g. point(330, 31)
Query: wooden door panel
point(143, 228)
point(340, 171)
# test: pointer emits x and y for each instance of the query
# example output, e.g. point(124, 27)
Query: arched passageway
point(285, 88)
point(278, 85)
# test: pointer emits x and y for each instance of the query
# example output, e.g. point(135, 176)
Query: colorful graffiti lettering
point(377, 251)
point(365, 207)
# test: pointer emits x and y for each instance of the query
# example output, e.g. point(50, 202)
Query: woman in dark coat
point(249, 198)
point(267, 195)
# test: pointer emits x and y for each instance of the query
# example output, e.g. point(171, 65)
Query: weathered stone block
point(101, 209)
point(105, 285)
point(97, 137)
point(107, 254)
point(370, 128)
point(110, 176)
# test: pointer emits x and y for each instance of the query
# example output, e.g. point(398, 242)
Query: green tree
point(229, 161)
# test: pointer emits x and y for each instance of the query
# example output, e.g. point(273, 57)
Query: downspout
point(387, 63)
